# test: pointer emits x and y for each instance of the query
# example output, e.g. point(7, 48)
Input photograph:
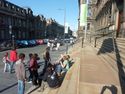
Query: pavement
point(95, 75)
point(8, 82)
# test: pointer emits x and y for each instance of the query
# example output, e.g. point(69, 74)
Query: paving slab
point(96, 74)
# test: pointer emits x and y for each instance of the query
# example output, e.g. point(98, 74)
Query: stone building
point(54, 29)
point(109, 17)
point(106, 16)
point(20, 23)
point(39, 26)
point(12, 21)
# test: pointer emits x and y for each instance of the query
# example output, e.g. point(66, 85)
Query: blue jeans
point(7, 67)
point(59, 69)
point(21, 87)
point(11, 66)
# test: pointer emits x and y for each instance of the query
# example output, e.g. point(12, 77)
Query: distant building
point(22, 24)
point(104, 16)
point(90, 18)
point(12, 21)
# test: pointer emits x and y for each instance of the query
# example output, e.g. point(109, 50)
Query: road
point(8, 82)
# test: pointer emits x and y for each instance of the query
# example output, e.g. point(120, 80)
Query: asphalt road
point(8, 82)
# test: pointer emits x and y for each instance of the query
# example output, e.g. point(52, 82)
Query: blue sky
point(49, 8)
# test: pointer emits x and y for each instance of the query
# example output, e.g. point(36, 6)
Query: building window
point(5, 5)
point(18, 9)
point(12, 7)
point(88, 26)
point(22, 11)
point(1, 3)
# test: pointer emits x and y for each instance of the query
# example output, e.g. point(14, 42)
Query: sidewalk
point(95, 75)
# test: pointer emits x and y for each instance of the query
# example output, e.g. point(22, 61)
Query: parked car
point(5, 45)
point(39, 41)
point(45, 41)
point(32, 42)
point(22, 43)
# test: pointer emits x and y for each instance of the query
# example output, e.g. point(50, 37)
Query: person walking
point(13, 58)
point(30, 73)
point(58, 45)
point(49, 44)
point(34, 69)
point(20, 73)
point(46, 57)
point(6, 62)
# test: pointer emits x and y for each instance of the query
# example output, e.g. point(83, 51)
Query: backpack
point(53, 80)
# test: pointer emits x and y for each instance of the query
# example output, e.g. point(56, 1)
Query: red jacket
point(13, 56)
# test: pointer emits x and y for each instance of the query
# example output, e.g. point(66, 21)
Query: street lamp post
point(64, 21)
point(10, 31)
point(65, 29)
point(13, 40)
point(12, 36)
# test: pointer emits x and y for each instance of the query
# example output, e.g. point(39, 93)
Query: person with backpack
point(65, 64)
point(34, 69)
point(49, 78)
point(53, 80)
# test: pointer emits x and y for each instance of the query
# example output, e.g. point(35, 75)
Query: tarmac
point(92, 76)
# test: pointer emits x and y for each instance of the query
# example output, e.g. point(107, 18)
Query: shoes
point(29, 82)
point(41, 89)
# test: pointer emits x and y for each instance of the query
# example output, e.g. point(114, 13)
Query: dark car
point(22, 43)
point(32, 42)
point(5, 45)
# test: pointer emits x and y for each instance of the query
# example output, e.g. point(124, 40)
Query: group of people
point(53, 45)
point(51, 73)
point(9, 62)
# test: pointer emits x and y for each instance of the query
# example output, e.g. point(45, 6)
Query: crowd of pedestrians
point(51, 74)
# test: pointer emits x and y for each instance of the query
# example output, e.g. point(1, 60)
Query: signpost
point(66, 32)
point(12, 36)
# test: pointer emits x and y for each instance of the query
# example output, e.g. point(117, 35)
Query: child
point(6, 62)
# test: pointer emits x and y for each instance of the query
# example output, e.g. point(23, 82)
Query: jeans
point(11, 66)
point(35, 77)
point(7, 67)
point(21, 87)
point(59, 69)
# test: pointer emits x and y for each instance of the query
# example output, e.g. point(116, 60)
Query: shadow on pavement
point(120, 66)
point(8, 87)
point(112, 89)
point(32, 90)
point(110, 45)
